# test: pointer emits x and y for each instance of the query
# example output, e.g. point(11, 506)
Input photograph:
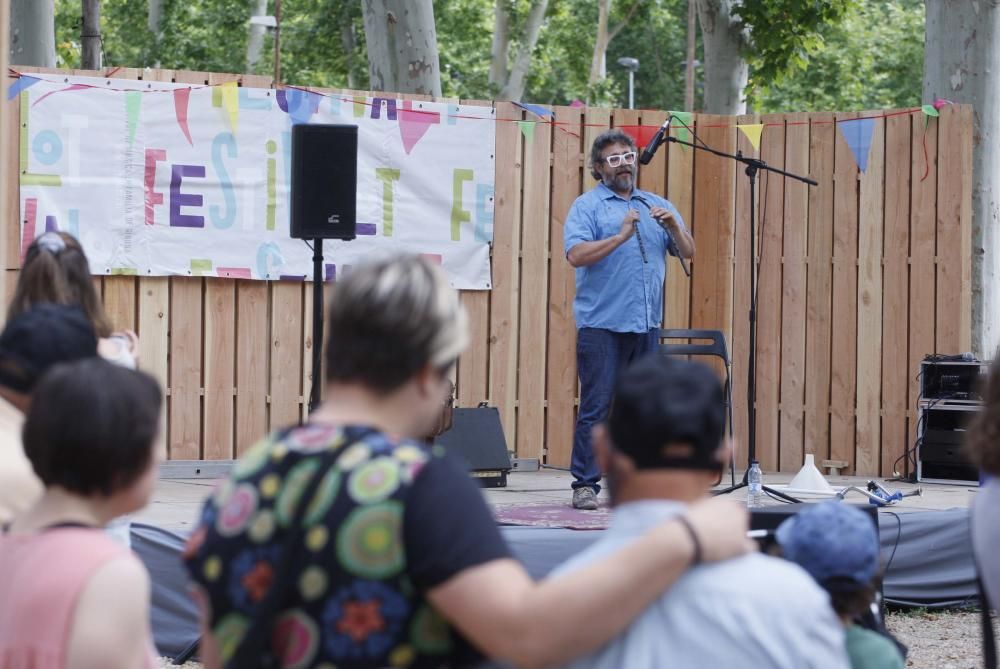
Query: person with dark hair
point(71, 596)
point(838, 545)
point(31, 343)
point(347, 542)
point(55, 271)
point(617, 237)
point(983, 448)
point(662, 448)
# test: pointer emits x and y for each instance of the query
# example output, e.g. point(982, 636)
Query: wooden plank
point(895, 290)
point(473, 366)
point(119, 301)
point(712, 266)
point(868, 430)
point(771, 193)
point(154, 342)
point(534, 302)
point(793, 296)
point(12, 211)
point(252, 348)
point(819, 291)
point(185, 368)
point(561, 380)
point(220, 368)
point(740, 342)
point(505, 295)
point(965, 254)
point(680, 192)
point(923, 286)
point(845, 295)
point(286, 354)
point(954, 164)
point(307, 350)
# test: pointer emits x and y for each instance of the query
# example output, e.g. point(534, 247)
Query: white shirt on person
point(754, 611)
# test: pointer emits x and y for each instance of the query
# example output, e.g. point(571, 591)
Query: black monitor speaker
point(324, 181)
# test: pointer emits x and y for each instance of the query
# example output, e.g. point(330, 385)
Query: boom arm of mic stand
point(749, 162)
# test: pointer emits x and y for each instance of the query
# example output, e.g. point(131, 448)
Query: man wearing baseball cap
point(662, 449)
point(838, 545)
point(30, 344)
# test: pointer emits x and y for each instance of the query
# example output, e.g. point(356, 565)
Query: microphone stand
point(753, 165)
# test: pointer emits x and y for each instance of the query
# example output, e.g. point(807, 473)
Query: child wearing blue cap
point(838, 545)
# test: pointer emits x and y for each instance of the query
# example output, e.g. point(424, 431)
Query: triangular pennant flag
point(632, 131)
point(133, 103)
point(752, 131)
point(538, 110)
point(930, 110)
point(231, 102)
point(301, 104)
point(682, 121)
point(858, 133)
point(527, 129)
point(414, 124)
point(577, 103)
point(181, 98)
point(941, 102)
point(23, 82)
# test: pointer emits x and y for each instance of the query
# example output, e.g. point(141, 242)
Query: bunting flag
point(930, 110)
point(133, 103)
point(413, 125)
point(181, 98)
point(527, 129)
point(858, 133)
point(577, 103)
point(642, 135)
point(538, 110)
point(752, 132)
point(22, 83)
point(231, 102)
point(682, 121)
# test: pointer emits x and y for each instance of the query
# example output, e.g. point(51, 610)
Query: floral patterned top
point(390, 519)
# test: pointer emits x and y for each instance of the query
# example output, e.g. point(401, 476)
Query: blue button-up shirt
point(621, 292)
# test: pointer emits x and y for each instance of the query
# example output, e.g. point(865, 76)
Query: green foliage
point(872, 59)
point(807, 54)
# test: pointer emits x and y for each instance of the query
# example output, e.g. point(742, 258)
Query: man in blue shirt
point(617, 237)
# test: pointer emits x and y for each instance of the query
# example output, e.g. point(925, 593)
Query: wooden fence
point(860, 277)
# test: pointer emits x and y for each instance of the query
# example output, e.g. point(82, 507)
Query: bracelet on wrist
point(696, 555)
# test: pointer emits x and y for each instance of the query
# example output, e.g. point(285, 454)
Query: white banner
point(171, 179)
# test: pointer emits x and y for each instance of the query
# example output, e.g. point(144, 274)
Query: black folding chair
point(716, 348)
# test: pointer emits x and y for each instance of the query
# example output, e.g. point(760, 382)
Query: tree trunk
point(90, 35)
point(501, 42)
point(726, 71)
point(514, 88)
point(689, 68)
point(32, 33)
point(402, 46)
point(154, 20)
point(349, 41)
point(961, 61)
point(255, 39)
point(598, 63)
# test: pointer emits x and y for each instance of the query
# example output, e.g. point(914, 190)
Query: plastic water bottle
point(755, 488)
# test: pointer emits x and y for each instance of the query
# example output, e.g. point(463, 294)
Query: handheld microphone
point(654, 144)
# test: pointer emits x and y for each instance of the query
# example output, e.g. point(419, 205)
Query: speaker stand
point(315, 394)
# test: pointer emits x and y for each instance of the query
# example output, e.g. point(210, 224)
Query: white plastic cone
point(809, 479)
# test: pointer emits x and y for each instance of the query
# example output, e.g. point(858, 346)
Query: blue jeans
point(600, 355)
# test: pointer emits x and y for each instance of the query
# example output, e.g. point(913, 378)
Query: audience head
point(92, 429)
point(838, 545)
point(667, 414)
point(983, 441)
point(55, 270)
point(37, 339)
point(396, 324)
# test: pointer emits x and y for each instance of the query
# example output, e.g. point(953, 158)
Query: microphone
point(654, 144)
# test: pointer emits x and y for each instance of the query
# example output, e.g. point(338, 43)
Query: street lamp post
point(630, 64)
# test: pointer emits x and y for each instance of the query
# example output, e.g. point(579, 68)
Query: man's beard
point(619, 180)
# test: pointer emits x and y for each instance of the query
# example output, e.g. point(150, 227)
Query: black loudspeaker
point(324, 181)
point(476, 436)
